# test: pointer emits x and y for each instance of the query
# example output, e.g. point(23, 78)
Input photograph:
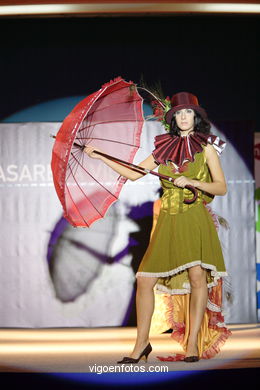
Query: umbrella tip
point(52, 136)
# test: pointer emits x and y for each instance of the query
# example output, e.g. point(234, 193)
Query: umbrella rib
point(109, 140)
point(76, 206)
point(92, 178)
point(70, 167)
point(137, 100)
point(114, 121)
point(85, 196)
point(73, 164)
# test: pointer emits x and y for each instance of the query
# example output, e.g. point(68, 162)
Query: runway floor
point(87, 350)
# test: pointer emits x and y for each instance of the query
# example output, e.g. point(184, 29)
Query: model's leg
point(144, 312)
point(198, 303)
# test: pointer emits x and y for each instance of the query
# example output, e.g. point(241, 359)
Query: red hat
point(184, 100)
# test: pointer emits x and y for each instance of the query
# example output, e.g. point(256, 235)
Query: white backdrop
point(30, 210)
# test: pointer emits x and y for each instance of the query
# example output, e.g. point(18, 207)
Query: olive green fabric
point(184, 236)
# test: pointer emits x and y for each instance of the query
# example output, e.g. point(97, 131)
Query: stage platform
point(86, 350)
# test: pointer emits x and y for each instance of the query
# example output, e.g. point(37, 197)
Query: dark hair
point(201, 125)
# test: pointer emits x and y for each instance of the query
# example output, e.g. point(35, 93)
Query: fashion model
point(184, 260)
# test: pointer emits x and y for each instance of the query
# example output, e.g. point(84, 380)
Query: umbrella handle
point(142, 170)
point(195, 194)
point(145, 171)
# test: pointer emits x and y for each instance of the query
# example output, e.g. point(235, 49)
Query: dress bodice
point(172, 198)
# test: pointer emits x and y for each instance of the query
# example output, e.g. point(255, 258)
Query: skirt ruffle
point(172, 312)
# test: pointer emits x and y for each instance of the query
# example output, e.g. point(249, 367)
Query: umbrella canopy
point(110, 119)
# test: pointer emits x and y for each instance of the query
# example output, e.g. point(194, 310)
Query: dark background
point(212, 56)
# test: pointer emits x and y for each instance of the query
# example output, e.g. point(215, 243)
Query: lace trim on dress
point(186, 286)
point(183, 268)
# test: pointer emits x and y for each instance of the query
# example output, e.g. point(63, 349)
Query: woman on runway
point(184, 259)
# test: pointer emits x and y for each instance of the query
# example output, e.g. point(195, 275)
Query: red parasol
point(110, 119)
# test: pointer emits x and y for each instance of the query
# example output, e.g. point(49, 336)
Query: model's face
point(185, 119)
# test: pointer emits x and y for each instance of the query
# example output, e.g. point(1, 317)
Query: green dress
point(185, 234)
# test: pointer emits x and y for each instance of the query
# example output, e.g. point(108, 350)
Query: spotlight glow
point(125, 8)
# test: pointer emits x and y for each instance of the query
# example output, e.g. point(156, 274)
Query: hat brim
point(198, 109)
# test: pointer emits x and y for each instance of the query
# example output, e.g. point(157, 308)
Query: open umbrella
point(110, 119)
point(111, 116)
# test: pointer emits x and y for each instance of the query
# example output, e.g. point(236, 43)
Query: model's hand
point(90, 152)
point(183, 181)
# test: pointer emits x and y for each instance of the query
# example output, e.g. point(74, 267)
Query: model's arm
point(148, 163)
point(218, 185)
